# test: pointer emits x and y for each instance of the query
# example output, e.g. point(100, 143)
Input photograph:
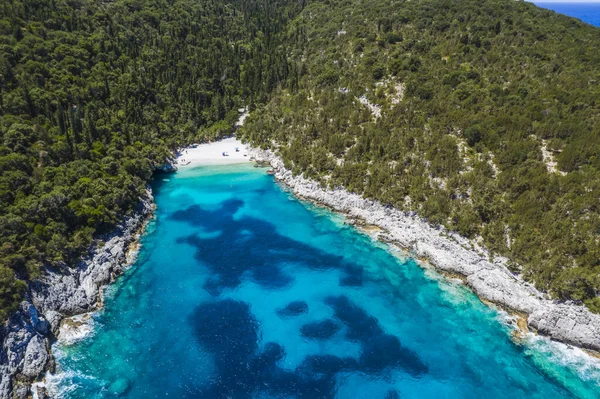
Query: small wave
point(585, 365)
point(61, 384)
point(546, 353)
point(552, 356)
point(396, 252)
point(109, 293)
point(76, 328)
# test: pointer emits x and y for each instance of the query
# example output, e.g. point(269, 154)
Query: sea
point(588, 12)
point(242, 290)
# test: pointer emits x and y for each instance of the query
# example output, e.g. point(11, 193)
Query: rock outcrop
point(169, 166)
point(61, 292)
point(490, 280)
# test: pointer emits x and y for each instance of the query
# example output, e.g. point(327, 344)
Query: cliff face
point(449, 252)
point(61, 292)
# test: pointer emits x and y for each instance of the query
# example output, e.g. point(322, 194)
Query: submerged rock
point(392, 394)
point(320, 330)
point(294, 308)
point(119, 387)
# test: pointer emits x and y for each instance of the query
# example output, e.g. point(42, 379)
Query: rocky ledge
point(449, 252)
point(60, 293)
point(169, 166)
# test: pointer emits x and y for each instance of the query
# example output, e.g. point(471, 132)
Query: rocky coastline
point(63, 292)
point(450, 253)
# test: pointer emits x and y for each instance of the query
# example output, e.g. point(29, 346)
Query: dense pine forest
point(96, 94)
point(479, 115)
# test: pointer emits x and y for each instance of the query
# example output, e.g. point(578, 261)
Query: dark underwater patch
point(248, 246)
point(328, 364)
point(231, 334)
point(392, 394)
point(361, 326)
point(353, 277)
point(208, 219)
point(228, 330)
point(294, 308)
point(380, 351)
point(320, 330)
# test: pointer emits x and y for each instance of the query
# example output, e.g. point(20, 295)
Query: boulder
point(36, 357)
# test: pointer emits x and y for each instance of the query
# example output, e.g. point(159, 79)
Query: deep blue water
point(587, 12)
point(242, 291)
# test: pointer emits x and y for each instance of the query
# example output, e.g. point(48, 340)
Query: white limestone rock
point(61, 292)
point(568, 323)
point(36, 357)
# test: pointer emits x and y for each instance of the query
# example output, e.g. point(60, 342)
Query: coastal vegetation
point(95, 95)
point(479, 115)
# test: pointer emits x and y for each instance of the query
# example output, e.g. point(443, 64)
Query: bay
point(242, 291)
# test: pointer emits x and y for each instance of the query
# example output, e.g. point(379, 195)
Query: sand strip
point(216, 153)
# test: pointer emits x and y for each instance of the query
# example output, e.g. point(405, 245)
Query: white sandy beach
point(212, 153)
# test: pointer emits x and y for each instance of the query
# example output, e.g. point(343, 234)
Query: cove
point(242, 291)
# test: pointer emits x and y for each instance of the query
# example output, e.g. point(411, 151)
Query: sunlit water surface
point(242, 291)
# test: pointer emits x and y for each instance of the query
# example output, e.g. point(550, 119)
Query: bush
point(473, 135)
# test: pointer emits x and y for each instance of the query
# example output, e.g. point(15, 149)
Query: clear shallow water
point(241, 291)
point(587, 12)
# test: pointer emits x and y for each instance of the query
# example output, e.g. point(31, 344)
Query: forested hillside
point(480, 115)
point(95, 94)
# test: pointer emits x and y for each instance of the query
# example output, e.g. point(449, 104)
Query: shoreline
point(449, 253)
point(65, 297)
point(212, 154)
point(59, 306)
point(77, 326)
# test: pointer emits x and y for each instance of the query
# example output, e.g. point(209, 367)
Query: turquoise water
point(242, 291)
